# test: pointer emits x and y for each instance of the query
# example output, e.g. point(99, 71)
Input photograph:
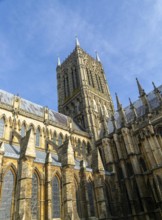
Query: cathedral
point(87, 161)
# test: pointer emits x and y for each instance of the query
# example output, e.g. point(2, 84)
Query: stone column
point(99, 173)
point(48, 187)
point(83, 189)
point(24, 178)
point(67, 159)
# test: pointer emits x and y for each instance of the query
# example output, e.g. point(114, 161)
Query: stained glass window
point(59, 140)
point(34, 199)
point(23, 131)
point(91, 198)
point(54, 138)
point(37, 138)
point(56, 207)
point(6, 200)
point(2, 123)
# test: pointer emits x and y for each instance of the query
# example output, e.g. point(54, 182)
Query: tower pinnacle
point(140, 89)
point(97, 57)
point(58, 62)
point(77, 42)
point(119, 106)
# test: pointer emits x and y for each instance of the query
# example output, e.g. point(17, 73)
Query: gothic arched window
point(23, 131)
point(34, 199)
point(37, 138)
point(91, 78)
point(2, 124)
point(54, 138)
point(64, 81)
point(73, 79)
point(77, 78)
point(7, 196)
point(79, 147)
point(60, 140)
point(56, 198)
point(67, 85)
point(101, 88)
point(91, 198)
point(98, 85)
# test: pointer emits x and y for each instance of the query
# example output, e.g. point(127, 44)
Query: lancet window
point(98, 85)
point(77, 78)
point(91, 78)
point(56, 198)
point(101, 88)
point(60, 140)
point(2, 124)
point(37, 137)
point(91, 198)
point(23, 130)
point(7, 196)
point(73, 79)
point(54, 138)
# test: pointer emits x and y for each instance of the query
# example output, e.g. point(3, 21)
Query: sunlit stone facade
point(86, 162)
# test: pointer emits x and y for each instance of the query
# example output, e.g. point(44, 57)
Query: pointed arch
point(31, 126)
point(12, 167)
point(7, 198)
point(56, 197)
point(55, 137)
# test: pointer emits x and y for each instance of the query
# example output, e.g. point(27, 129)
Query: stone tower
point(83, 93)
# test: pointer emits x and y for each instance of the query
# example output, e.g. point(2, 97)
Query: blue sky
point(33, 33)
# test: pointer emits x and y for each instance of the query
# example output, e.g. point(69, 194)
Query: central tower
point(83, 93)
